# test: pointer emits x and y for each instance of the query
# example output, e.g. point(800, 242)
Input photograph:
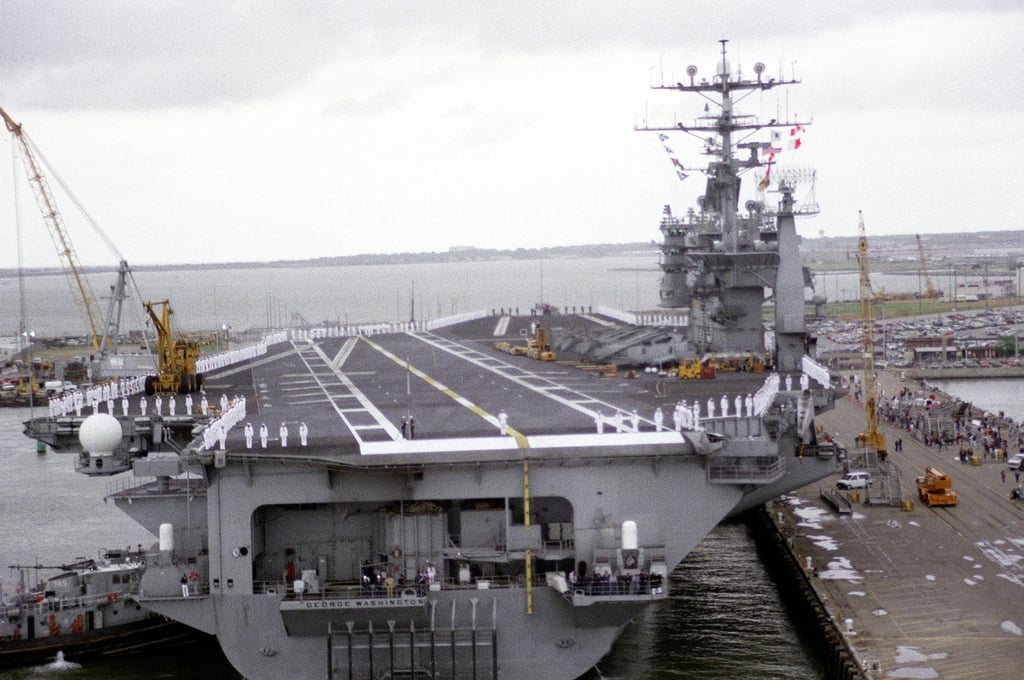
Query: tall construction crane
point(871, 438)
point(930, 292)
point(101, 337)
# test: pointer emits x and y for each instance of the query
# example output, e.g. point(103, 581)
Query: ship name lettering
point(359, 604)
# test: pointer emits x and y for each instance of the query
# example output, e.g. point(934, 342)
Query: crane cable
point(51, 171)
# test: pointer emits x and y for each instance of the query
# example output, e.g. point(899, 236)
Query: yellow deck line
point(459, 399)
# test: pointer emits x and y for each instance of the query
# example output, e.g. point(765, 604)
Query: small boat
point(85, 610)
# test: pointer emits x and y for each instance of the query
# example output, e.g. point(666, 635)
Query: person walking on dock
point(1002, 473)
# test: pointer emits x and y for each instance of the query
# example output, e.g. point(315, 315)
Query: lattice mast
point(871, 438)
point(79, 283)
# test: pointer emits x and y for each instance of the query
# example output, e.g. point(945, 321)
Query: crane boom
point(79, 283)
point(930, 291)
point(871, 438)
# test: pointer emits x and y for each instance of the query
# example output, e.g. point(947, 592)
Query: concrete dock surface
point(929, 592)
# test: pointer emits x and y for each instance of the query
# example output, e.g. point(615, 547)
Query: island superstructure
point(407, 500)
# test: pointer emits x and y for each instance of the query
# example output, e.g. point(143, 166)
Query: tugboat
point(85, 610)
point(414, 500)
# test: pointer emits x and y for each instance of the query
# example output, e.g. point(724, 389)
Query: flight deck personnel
point(264, 435)
point(284, 434)
point(188, 404)
point(172, 405)
point(248, 435)
point(303, 433)
point(204, 405)
point(184, 585)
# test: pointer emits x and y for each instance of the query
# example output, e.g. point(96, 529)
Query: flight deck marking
point(445, 345)
point(346, 349)
point(368, 405)
point(519, 437)
point(502, 326)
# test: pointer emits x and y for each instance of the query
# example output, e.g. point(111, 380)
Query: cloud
point(257, 130)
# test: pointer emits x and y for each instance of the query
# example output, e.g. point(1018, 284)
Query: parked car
point(854, 480)
point(1014, 462)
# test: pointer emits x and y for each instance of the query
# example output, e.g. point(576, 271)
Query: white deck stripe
point(502, 326)
point(547, 391)
point(367, 404)
point(545, 441)
point(459, 399)
point(339, 359)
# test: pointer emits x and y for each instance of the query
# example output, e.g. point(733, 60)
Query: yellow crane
point(80, 288)
point(871, 438)
point(176, 357)
point(930, 292)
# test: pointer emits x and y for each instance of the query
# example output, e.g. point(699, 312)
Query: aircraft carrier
point(453, 500)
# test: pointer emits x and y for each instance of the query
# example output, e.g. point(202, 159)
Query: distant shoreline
point(372, 259)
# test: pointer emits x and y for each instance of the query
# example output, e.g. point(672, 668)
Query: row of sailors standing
point(230, 414)
point(684, 416)
point(250, 434)
point(73, 402)
point(234, 356)
point(688, 417)
point(67, 402)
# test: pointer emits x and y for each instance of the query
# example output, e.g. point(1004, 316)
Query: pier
point(916, 591)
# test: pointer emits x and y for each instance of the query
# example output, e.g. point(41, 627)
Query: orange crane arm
point(65, 250)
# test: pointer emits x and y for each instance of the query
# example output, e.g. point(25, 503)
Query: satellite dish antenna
point(691, 71)
point(759, 69)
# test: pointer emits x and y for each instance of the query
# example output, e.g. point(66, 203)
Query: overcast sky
point(254, 130)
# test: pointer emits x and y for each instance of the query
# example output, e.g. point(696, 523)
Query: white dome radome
point(100, 433)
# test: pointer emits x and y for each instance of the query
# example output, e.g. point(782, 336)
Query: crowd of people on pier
point(936, 419)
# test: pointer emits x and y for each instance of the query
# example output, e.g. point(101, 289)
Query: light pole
point(28, 337)
point(226, 330)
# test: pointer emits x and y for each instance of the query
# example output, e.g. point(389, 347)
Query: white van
point(854, 480)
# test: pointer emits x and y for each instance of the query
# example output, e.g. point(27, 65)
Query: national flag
point(662, 136)
point(668, 150)
point(682, 175)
